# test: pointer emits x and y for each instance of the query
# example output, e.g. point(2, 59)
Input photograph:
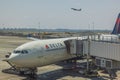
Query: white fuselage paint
point(40, 53)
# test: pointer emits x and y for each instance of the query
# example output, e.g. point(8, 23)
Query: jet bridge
point(74, 47)
point(106, 52)
point(105, 49)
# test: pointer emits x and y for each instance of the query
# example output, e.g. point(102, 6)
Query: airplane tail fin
point(116, 29)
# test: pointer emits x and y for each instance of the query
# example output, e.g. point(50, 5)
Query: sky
point(57, 14)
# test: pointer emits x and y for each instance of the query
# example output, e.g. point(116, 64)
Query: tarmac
point(49, 72)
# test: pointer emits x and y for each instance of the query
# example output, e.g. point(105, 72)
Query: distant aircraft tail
point(116, 29)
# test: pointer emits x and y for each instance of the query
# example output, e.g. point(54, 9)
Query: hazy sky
point(58, 14)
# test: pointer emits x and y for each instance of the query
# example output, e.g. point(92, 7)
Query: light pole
point(39, 29)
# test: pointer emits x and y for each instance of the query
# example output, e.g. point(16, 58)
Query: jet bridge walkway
point(102, 48)
point(74, 47)
point(106, 50)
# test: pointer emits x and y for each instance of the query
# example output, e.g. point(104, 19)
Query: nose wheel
point(31, 73)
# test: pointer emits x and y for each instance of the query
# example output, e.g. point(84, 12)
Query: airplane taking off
point(43, 52)
point(76, 9)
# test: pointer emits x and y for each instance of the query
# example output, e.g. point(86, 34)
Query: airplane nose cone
point(13, 58)
point(17, 60)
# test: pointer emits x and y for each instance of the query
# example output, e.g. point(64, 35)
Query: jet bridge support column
point(88, 55)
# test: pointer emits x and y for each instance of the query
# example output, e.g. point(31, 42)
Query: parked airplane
point(39, 53)
point(31, 55)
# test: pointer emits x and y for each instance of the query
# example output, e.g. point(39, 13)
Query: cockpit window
point(17, 51)
point(22, 51)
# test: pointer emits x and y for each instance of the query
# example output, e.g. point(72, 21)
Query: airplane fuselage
point(40, 53)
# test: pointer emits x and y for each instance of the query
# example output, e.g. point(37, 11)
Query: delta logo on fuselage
point(55, 46)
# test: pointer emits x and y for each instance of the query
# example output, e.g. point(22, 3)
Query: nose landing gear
point(30, 73)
